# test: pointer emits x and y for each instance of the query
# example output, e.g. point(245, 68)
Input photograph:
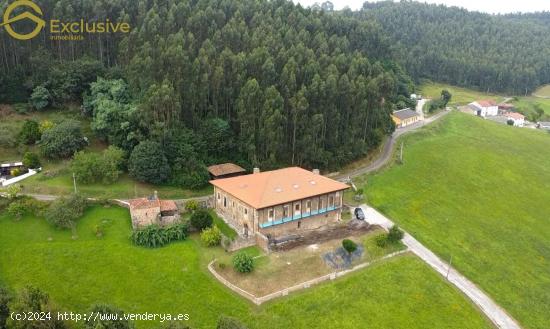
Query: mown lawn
point(461, 96)
point(479, 192)
point(400, 293)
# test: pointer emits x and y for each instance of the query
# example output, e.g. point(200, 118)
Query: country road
point(387, 150)
point(490, 308)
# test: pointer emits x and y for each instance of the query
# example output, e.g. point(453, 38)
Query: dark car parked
point(359, 214)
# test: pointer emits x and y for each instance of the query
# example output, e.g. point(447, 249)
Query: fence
point(19, 178)
point(304, 285)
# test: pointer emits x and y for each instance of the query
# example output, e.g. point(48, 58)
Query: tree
point(31, 160)
point(32, 300)
point(211, 236)
point(40, 98)
point(148, 163)
point(93, 167)
point(201, 219)
point(113, 318)
point(5, 299)
point(349, 245)
point(64, 211)
point(62, 140)
point(395, 234)
point(445, 97)
point(226, 322)
point(243, 262)
point(30, 132)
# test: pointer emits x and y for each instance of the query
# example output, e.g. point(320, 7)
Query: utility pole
point(449, 269)
point(74, 183)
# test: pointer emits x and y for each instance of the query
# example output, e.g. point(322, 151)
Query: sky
point(488, 6)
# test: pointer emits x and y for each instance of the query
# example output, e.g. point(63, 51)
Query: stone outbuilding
point(152, 210)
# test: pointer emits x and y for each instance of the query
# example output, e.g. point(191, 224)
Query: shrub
point(349, 245)
point(148, 163)
point(243, 262)
point(381, 240)
point(510, 122)
point(40, 98)
point(191, 205)
point(15, 172)
point(64, 211)
point(30, 133)
point(63, 140)
point(17, 209)
point(201, 219)
point(226, 322)
point(12, 191)
point(31, 160)
point(154, 236)
point(395, 234)
point(211, 236)
point(45, 125)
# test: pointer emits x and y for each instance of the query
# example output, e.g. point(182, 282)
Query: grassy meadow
point(399, 293)
point(461, 96)
point(478, 191)
point(543, 91)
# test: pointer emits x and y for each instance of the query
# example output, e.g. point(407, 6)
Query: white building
point(485, 108)
point(518, 118)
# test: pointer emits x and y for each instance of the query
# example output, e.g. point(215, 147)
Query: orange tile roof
point(278, 186)
point(515, 115)
point(145, 203)
point(225, 169)
point(487, 103)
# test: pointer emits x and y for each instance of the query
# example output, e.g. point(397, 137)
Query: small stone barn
point(152, 210)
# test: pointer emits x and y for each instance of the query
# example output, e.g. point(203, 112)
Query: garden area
point(96, 260)
point(280, 270)
point(478, 192)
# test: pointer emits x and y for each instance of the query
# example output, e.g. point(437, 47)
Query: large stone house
point(152, 210)
point(278, 203)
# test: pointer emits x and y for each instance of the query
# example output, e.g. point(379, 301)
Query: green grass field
point(479, 192)
point(399, 293)
point(543, 91)
point(527, 105)
point(461, 96)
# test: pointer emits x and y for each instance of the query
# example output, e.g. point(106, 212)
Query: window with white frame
point(270, 214)
point(285, 211)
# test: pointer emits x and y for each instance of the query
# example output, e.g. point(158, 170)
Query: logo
point(40, 23)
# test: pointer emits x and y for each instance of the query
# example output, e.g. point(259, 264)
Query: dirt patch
point(5, 110)
point(333, 232)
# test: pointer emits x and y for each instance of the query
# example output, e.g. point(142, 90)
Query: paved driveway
point(495, 313)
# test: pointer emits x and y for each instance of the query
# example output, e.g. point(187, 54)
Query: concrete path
point(495, 313)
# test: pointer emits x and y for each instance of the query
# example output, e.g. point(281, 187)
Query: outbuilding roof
point(405, 114)
point(487, 103)
point(276, 187)
point(225, 169)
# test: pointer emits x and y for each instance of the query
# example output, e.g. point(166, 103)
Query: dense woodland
point(493, 53)
point(256, 82)
point(260, 83)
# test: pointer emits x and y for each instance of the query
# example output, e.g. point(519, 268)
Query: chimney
point(316, 171)
point(256, 170)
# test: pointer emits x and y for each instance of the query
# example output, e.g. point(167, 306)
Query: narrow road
point(495, 313)
point(387, 150)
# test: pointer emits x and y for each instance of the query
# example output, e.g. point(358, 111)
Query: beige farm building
point(279, 202)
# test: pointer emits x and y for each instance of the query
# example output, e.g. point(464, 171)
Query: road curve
point(387, 149)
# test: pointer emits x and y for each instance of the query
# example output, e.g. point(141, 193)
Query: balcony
point(303, 215)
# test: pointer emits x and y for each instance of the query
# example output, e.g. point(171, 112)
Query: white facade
point(485, 110)
point(519, 120)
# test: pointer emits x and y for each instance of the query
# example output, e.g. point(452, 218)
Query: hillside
point(492, 53)
point(478, 192)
